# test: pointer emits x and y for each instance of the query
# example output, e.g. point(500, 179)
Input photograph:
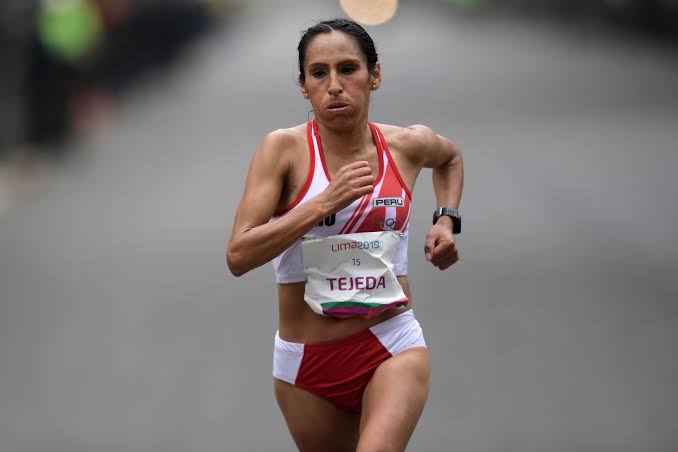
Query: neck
point(346, 142)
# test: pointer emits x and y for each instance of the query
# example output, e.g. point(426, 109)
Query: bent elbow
point(235, 264)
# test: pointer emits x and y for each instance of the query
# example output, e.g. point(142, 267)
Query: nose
point(334, 87)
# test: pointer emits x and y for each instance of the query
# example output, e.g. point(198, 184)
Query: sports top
point(387, 208)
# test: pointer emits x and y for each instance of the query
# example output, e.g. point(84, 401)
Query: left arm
point(445, 159)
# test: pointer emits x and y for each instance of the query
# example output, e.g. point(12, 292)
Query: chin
point(340, 122)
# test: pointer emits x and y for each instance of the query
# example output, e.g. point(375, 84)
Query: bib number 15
point(356, 262)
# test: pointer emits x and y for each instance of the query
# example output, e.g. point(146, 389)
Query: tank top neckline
point(375, 139)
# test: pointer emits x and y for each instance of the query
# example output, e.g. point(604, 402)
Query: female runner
point(351, 368)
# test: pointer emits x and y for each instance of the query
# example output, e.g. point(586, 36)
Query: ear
point(376, 78)
point(304, 93)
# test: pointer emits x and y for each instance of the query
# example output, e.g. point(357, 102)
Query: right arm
point(254, 240)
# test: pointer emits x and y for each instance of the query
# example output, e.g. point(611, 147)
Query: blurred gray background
point(121, 329)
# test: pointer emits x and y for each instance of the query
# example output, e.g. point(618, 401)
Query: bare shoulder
point(416, 142)
point(284, 141)
point(280, 148)
point(410, 137)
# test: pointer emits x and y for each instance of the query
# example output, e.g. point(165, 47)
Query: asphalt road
point(121, 330)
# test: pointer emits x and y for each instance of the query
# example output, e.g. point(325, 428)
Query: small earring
point(374, 86)
point(306, 95)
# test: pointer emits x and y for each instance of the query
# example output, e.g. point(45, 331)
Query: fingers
point(353, 171)
point(362, 187)
point(362, 171)
point(443, 254)
point(364, 180)
point(359, 177)
point(356, 165)
point(444, 264)
point(349, 183)
point(358, 169)
point(428, 247)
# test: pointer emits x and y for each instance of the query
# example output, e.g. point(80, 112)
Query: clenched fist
point(350, 183)
point(440, 248)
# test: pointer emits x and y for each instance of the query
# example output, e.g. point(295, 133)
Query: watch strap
point(454, 214)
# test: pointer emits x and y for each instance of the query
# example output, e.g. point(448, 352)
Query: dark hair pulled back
point(347, 26)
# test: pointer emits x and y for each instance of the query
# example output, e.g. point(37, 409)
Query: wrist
point(452, 214)
point(321, 207)
point(444, 220)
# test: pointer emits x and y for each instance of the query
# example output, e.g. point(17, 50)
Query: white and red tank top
point(387, 208)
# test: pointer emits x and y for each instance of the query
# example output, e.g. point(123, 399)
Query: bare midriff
point(298, 323)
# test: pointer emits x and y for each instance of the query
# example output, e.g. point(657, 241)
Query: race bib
point(351, 275)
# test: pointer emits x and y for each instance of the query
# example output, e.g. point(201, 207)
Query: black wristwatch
point(455, 214)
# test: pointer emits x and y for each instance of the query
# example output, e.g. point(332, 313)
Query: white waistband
point(393, 322)
point(379, 328)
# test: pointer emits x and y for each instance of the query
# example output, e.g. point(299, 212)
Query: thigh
point(315, 423)
point(393, 401)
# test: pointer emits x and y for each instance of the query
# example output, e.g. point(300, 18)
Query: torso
point(297, 322)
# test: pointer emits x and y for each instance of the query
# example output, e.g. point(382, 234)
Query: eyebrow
point(347, 61)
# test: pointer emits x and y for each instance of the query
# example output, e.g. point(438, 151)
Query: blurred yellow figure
point(370, 12)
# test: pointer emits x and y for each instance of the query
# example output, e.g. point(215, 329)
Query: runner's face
point(337, 79)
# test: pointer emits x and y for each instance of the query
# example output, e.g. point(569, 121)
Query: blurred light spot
point(69, 28)
point(370, 12)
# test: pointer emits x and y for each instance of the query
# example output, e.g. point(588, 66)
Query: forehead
point(326, 47)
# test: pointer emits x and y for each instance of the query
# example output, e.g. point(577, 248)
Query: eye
point(317, 73)
point(348, 70)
